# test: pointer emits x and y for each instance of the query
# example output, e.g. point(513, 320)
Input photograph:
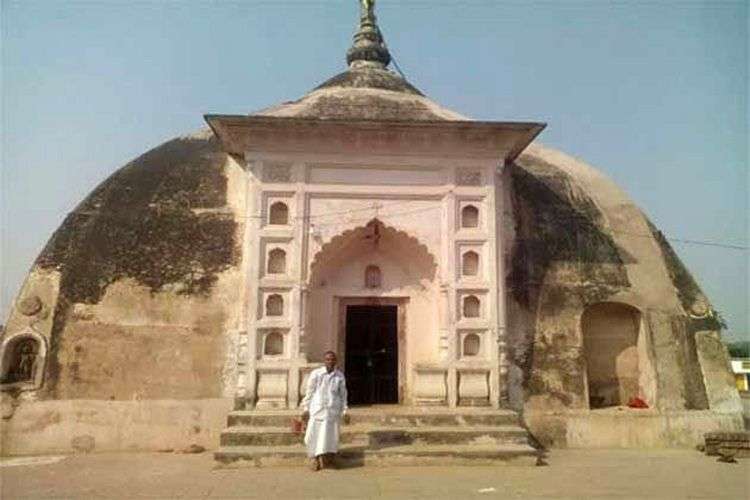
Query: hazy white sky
point(654, 93)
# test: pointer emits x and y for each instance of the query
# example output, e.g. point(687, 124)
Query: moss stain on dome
point(141, 223)
point(545, 201)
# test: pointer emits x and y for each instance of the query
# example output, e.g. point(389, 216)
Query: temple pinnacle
point(368, 47)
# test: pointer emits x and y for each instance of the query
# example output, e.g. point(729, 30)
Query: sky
point(653, 93)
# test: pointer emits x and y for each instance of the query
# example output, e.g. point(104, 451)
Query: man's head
point(330, 360)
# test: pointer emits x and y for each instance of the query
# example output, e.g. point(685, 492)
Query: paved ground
point(571, 474)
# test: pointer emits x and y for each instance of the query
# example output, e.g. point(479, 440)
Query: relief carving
point(276, 173)
point(468, 177)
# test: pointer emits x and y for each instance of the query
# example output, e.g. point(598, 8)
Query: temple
point(464, 273)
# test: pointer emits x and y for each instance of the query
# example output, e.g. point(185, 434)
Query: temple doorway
point(372, 354)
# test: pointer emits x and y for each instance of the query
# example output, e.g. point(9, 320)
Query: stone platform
point(388, 435)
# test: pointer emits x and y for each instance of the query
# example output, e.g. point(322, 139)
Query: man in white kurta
point(324, 405)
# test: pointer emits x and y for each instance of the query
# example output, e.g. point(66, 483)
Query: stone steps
point(380, 436)
point(391, 435)
point(359, 454)
point(398, 418)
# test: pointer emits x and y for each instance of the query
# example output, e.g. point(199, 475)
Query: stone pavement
point(642, 474)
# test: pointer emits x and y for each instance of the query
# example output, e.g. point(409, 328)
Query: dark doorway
point(371, 354)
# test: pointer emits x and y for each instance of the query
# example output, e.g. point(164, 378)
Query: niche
point(277, 261)
point(373, 278)
point(470, 263)
point(610, 337)
point(471, 307)
point(21, 361)
point(279, 214)
point(274, 344)
point(470, 217)
point(275, 305)
point(472, 344)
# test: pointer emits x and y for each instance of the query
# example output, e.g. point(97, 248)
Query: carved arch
point(373, 231)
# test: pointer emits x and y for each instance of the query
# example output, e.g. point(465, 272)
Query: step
point(354, 455)
point(399, 417)
point(379, 437)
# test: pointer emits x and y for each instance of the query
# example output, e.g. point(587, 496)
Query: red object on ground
point(298, 426)
point(637, 403)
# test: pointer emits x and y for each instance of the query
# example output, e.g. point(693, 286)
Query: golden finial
point(368, 8)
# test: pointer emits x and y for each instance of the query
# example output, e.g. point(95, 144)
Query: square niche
point(276, 259)
point(273, 343)
point(470, 215)
point(472, 305)
point(274, 304)
point(278, 210)
point(470, 262)
point(472, 344)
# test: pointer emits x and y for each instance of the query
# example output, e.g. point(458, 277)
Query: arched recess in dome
point(399, 247)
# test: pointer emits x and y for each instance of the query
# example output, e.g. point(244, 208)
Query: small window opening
point(471, 344)
point(470, 217)
point(470, 263)
point(277, 261)
point(275, 305)
point(279, 214)
point(471, 307)
point(274, 345)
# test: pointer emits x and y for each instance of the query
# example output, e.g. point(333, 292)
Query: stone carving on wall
point(30, 305)
point(272, 388)
point(473, 388)
point(373, 278)
point(468, 177)
point(277, 173)
point(430, 386)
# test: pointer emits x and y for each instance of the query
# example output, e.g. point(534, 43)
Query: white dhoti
point(322, 436)
point(325, 400)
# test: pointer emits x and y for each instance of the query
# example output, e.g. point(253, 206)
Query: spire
point(368, 48)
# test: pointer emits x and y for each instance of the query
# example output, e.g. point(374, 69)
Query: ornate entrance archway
point(374, 266)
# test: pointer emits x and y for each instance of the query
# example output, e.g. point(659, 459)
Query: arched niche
point(471, 307)
point(276, 261)
point(275, 305)
point(373, 277)
point(278, 214)
point(610, 339)
point(22, 360)
point(273, 344)
point(472, 345)
point(470, 264)
point(470, 217)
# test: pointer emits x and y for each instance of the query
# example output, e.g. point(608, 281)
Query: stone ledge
point(628, 428)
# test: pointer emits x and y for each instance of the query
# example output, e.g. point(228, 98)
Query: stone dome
point(364, 93)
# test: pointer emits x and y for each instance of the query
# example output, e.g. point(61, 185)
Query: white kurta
point(325, 399)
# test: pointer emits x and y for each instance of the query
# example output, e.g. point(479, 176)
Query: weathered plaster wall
point(140, 284)
point(577, 241)
point(135, 344)
point(80, 425)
